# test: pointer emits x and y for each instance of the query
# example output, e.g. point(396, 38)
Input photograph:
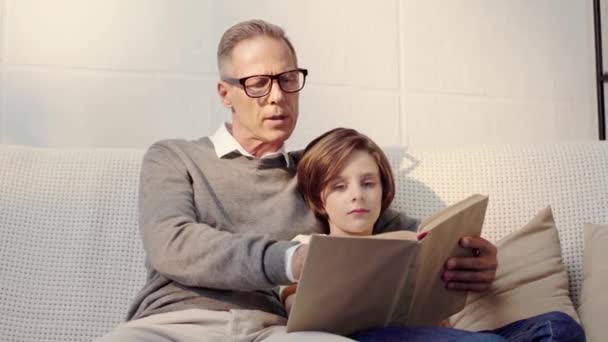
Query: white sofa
point(71, 259)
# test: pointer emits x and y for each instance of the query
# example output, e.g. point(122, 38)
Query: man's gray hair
point(247, 30)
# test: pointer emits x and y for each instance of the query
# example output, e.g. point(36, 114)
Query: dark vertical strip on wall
point(599, 70)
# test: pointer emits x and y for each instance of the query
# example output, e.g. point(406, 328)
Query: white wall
point(124, 73)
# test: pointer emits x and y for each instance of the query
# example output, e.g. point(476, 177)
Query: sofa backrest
point(520, 180)
point(71, 258)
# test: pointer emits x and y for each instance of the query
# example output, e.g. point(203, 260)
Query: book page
point(350, 283)
point(397, 235)
point(432, 302)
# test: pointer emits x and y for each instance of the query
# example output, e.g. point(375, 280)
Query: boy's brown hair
point(325, 157)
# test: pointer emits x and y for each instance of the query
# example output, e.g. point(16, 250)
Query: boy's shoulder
point(391, 220)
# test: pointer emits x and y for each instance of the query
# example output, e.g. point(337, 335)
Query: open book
point(390, 279)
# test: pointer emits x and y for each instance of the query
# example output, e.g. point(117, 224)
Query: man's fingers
point(477, 287)
point(468, 276)
point(475, 273)
point(483, 262)
point(478, 243)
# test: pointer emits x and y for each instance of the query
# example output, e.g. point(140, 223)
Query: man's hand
point(298, 260)
point(475, 273)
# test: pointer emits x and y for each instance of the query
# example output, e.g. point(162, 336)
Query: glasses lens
point(291, 81)
point(257, 85)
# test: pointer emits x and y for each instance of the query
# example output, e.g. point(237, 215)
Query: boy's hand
point(289, 303)
point(475, 273)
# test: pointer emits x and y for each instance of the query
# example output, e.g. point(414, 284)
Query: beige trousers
point(212, 326)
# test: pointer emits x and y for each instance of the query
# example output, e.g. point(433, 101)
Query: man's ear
point(222, 91)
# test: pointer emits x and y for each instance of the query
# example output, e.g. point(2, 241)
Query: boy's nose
point(356, 193)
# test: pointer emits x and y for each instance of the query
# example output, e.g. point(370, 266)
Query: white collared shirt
point(224, 143)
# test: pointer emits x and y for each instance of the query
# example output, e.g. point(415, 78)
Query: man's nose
point(276, 93)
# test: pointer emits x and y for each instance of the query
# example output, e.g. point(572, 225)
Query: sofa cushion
point(530, 280)
point(594, 298)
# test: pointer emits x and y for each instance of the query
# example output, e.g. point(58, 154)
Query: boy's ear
point(321, 211)
point(224, 93)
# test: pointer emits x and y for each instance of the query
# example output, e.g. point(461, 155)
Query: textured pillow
point(530, 280)
point(594, 298)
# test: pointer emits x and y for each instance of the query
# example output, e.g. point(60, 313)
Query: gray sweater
point(215, 231)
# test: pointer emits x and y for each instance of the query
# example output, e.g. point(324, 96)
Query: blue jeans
point(552, 326)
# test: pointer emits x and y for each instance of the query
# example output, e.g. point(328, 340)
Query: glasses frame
point(241, 82)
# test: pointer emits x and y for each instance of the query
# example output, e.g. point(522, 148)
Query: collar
point(224, 143)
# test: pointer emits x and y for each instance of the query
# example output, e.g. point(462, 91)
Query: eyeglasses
point(255, 86)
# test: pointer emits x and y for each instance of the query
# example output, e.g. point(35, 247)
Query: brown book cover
point(390, 279)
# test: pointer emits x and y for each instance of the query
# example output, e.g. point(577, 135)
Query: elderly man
point(217, 214)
